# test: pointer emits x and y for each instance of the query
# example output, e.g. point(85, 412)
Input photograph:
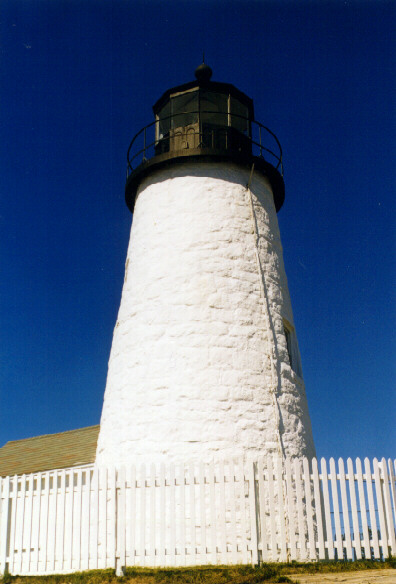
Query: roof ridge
point(54, 434)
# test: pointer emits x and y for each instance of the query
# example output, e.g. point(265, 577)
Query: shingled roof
point(48, 452)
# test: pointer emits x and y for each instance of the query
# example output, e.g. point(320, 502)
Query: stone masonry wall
point(199, 366)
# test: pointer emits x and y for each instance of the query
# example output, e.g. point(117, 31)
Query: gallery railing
point(201, 134)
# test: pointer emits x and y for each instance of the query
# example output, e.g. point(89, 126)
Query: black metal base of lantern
point(200, 155)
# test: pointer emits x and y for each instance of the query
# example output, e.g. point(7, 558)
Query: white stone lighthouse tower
point(204, 361)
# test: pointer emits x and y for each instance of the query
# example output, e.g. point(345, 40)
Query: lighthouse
point(204, 361)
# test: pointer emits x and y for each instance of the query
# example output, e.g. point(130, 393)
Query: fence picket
point(113, 516)
point(143, 514)
point(14, 502)
point(355, 520)
point(373, 519)
point(309, 514)
point(94, 532)
point(182, 522)
point(242, 508)
point(212, 490)
point(281, 503)
point(336, 510)
point(132, 515)
point(380, 507)
point(233, 526)
point(392, 486)
point(300, 510)
point(61, 530)
point(271, 494)
point(363, 510)
point(291, 511)
point(30, 521)
point(263, 531)
point(193, 539)
point(172, 487)
point(222, 510)
point(318, 510)
point(78, 507)
point(253, 512)
point(46, 509)
point(388, 508)
point(37, 525)
point(202, 508)
point(69, 518)
point(345, 510)
point(86, 523)
point(103, 512)
point(326, 502)
point(121, 520)
point(162, 542)
point(52, 525)
point(152, 514)
point(19, 532)
point(5, 515)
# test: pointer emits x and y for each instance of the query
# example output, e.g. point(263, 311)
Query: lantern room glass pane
point(184, 109)
point(164, 121)
point(240, 119)
point(213, 108)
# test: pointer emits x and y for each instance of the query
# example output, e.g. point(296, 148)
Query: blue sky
point(78, 79)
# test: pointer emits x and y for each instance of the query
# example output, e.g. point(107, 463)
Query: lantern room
point(204, 121)
point(203, 114)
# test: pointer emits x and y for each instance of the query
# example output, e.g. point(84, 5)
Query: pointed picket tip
point(323, 465)
point(376, 465)
point(307, 463)
point(391, 471)
point(367, 465)
point(296, 463)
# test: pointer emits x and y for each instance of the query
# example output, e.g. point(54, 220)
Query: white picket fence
point(226, 512)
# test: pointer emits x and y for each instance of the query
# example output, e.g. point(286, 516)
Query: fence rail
point(233, 511)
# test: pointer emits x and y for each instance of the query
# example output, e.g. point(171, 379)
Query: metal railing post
point(261, 150)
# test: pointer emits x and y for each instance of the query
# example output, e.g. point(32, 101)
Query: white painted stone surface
point(199, 365)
